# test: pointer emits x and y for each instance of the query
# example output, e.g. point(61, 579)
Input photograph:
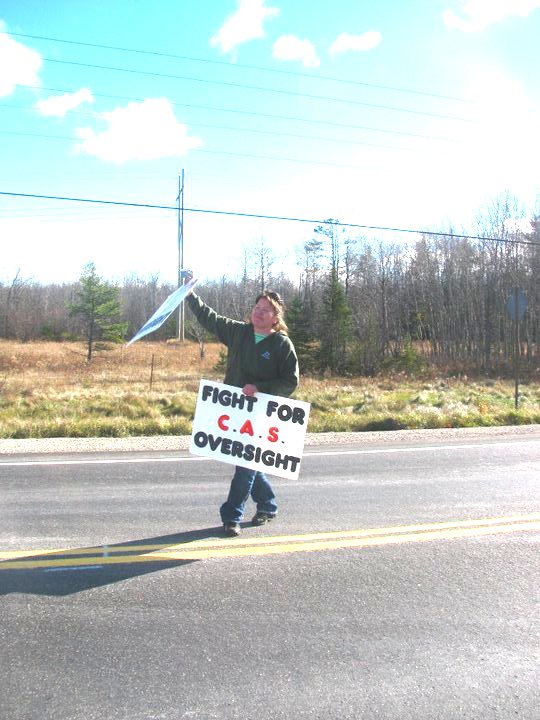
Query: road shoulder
point(167, 443)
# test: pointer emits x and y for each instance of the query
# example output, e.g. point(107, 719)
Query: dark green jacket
point(271, 364)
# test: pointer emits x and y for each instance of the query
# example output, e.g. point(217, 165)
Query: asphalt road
point(399, 581)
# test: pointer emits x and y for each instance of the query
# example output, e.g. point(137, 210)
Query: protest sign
point(262, 432)
point(164, 310)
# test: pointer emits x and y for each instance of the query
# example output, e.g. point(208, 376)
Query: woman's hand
point(249, 390)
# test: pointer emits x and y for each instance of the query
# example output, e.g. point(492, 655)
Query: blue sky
point(393, 114)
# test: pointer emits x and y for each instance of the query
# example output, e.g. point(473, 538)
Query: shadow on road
point(68, 572)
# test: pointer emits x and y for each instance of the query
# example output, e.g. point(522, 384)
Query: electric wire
point(254, 114)
point(196, 124)
point(280, 158)
point(294, 93)
point(235, 66)
point(227, 153)
point(263, 89)
point(282, 218)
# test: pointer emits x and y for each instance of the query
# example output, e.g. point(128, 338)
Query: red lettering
point(221, 422)
point(247, 427)
point(273, 434)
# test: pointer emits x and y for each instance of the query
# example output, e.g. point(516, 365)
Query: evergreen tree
point(298, 323)
point(97, 304)
point(335, 327)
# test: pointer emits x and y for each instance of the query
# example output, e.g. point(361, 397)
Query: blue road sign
point(516, 304)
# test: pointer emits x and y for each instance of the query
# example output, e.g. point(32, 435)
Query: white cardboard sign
point(263, 432)
point(165, 310)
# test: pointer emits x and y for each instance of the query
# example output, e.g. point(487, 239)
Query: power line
point(37, 135)
point(254, 156)
point(259, 89)
point(302, 136)
point(244, 66)
point(194, 125)
point(277, 158)
point(228, 153)
point(281, 218)
point(254, 114)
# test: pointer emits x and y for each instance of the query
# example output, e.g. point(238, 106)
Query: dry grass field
point(49, 390)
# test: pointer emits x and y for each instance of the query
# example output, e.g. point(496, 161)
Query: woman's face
point(263, 316)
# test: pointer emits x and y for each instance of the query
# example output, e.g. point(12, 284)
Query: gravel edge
point(163, 443)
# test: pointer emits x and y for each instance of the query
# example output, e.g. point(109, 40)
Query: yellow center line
point(344, 543)
point(104, 550)
point(245, 546)
point(337, 534)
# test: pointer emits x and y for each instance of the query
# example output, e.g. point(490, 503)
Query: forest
point(356, 306)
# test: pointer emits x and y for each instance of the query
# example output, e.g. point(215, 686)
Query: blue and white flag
point(166, 309)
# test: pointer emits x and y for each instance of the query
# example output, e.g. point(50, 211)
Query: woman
point(260, 358)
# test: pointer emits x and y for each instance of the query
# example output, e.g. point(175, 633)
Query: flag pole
point(180, 199)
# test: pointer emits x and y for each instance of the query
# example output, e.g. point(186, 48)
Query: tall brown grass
point(56, 366)
point(48, 389)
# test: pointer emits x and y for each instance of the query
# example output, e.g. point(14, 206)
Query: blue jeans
point(248, 482)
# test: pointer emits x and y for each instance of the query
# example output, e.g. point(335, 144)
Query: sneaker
point(261, 518)
point(231, 529)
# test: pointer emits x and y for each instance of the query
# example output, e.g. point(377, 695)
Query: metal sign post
point(516, 306)
point(180, 199)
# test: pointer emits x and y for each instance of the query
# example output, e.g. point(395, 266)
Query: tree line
point(357, 307)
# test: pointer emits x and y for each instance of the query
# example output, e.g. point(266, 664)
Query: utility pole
point(180, 200)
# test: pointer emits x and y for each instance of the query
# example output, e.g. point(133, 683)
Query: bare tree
point(264, 260)
point(14, 295)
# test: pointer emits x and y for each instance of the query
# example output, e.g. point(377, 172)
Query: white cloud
point(140, 131)
point(500, 147)
point(479, 14)
point(359, 43)
point(19, 65)
point(246, 24)
point(289, 47)
point(59, 105)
